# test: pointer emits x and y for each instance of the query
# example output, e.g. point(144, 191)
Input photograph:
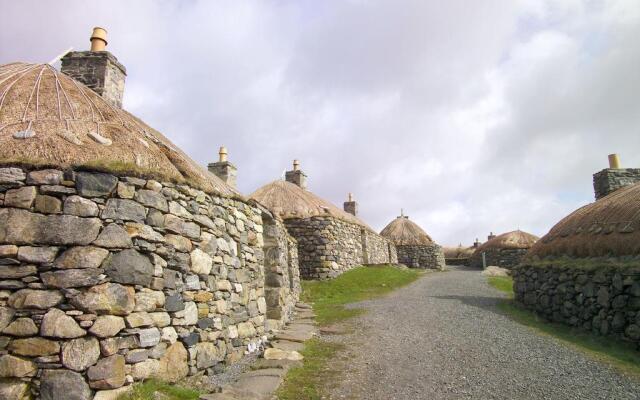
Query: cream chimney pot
point(223, 154)
point(296, 165)
point(614, 161)
point(98, 39)
point(350, 196)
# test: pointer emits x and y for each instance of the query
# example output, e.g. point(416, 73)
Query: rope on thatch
point(402, 231)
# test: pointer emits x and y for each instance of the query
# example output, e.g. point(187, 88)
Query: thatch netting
point(510, 240)
point(402, 231)
point(49, 119)
point(287, 200)
point(458, 252)
point(609, 227)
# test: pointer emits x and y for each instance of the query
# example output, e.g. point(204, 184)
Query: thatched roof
point(510, 240)
point(49, 119)
point(287, 200)
point(609, 227)
point(402, 231)
point(458, 252)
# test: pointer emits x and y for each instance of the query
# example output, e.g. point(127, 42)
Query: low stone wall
point(602, 299)
point(457, 261)
point(327, 246)
point(377, 249)
point(282, 273)
point(105, 280)
point(504, 258)
point(426, 256)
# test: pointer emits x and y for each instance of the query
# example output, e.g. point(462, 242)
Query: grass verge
point(621, 355)
point(147, 391)
point(330, 297)
point(305, 382)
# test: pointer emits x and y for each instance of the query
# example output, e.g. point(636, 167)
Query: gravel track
point(442, 337)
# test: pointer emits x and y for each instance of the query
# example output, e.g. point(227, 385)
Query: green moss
point(307, 382)
point(147, 391)
point(586, 264)
point(502, 283)
point(361, 283)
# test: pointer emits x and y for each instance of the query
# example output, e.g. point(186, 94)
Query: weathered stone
point(278, 354)
point(57, 190)
point(30, 298)
point(201, 262)
point(45, 177)
point(174, 303)
point(177, 225)
point(123, 209)
point(191, 339)
point(137, 230)
point(71, 278)
point(90, 184)
point(110, 298)
point(22, 227)
point(114, 236)
point(149, 300)
point(203, 296)
point(114, 394)
point(108, 373)
point(149, 337)
point(138, 319)
point(8, 250)
point(176, 209)
point(246, 329)
point(63, 384)
point(158, 350)
point(21, 327)
point(16, 367)
point(188, 316)
point(179, 243)
point(11, 177)
point(20, 198)
point(129, 267)
point(145, 369)
point(169, 334)
point(48, 204)
point(58, 324)
point(81, 257)
point(11, 284)
point(17, 271)
point(40, 255)
point(14, 389)
point(160, 319)
point(80, 354)
point(137, 355)
point(153, 199)
point(224, 286)
point(207, 355)
point(173, 365)
point(76, 205)
point(107, 325)
point(34, 347)
point(155, 218)
point(192, 282)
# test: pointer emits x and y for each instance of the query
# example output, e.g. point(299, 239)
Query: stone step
point(262, 387)
point(294, 336)
point(300, 328)
point(287, 345)
point(282, 364)
point(303, 305)
point(308, 321)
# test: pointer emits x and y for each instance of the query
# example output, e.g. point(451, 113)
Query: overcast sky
point(473, 116)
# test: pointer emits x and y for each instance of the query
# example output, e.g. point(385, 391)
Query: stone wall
point(457, 261)
point(609, 180)
point(282, 273)
point(105, 280)
point(421, 256)
point(377, 249)
point(504, 258)
point(602, 299)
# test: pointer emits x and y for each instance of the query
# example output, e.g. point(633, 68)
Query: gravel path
point(443, 338)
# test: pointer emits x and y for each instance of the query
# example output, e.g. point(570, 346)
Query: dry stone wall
point(602, 299)
point(377, 249)
point(105, 280)
point(504, 258)
point(427, 256)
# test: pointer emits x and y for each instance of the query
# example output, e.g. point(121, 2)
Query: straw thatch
point(49, 119)
point(510, 240)
point(402, 231)
point(609, 227)
point(458, 252)
point(287, 200)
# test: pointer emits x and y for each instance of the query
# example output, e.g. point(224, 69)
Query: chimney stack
point(296, 176)
point(223, 169)
point(476, 244)
point(98, 69)
point(491, 236)
point(613, 178)
point(351, 206)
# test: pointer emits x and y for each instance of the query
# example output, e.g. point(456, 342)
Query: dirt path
point(443, 338)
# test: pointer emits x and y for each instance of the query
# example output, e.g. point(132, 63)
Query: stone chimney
point(296, 176)
point(97, 69)
point(613, 178)
point(491, 236)
point(351, 206)
point(223, 169)
point(476, 244)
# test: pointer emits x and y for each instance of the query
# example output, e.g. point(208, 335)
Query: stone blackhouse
point(505, 251)
point(415, 248)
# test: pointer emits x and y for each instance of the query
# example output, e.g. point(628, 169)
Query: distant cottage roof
point(49, 119)
point(458, 252)
point(510, 240)
point(288, 200)
point(609, 227)
point(402, 231)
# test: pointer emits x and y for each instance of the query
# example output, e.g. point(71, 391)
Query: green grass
point(330, 297)
point(146, 391)
point(306, 382)
point(621, 355)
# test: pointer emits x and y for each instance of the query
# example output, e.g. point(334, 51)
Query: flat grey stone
point(63, 384)
point(129, 267)
point(23, 227)
point(124, 209)
point(91, 184)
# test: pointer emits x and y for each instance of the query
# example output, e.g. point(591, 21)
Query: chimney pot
point(614, 161)
point(223, 169)
point(223, 154)
point(296, 165)
point(98, 39)
point(350, 205)
point(296, 176)
point(350, 196)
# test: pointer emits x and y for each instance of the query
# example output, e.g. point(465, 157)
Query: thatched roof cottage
point(415, 248)
point(115, 244)
point(505, 250)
